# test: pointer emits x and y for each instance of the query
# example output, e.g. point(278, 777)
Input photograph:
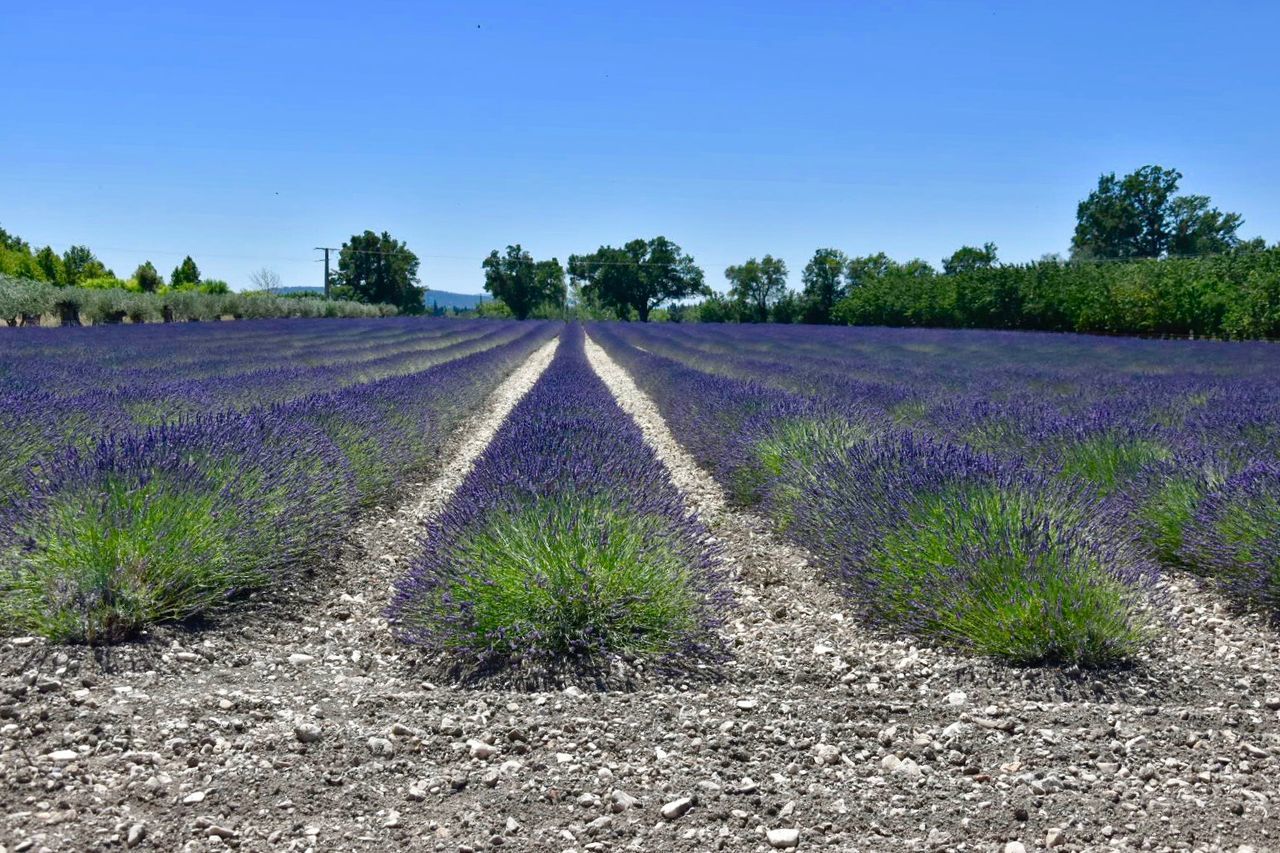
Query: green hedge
point(25, 302)
point(1224, 296)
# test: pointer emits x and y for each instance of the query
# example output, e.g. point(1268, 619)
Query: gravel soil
point(295, 722)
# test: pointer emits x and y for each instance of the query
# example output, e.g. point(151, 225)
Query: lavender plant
point(566, 546)
point(163, 525)
point(1235, 536)
point(948, 544)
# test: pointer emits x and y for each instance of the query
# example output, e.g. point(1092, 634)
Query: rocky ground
point(295, 722)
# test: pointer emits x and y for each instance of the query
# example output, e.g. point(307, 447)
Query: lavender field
point(461, 585)
point(1014, 493)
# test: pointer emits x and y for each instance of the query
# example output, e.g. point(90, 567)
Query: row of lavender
point(108, 357)
point(62, 389)
point(566, 546)
point(1184, 435)
point(138, 525)
point(1009, 493)
point(1033, 396)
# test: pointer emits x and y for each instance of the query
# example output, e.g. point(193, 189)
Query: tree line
point(1144, 260)
point(78, 266)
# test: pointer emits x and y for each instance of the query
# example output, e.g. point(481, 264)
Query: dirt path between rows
point(297, 723)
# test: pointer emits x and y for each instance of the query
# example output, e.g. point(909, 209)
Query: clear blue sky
point(247, 133)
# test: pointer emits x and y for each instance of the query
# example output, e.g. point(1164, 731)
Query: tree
point(79, 264)
point(968, 259)
point(1195, 228)
point(757, 285)
point(13, 243)
point(521, 283)
point(865, 268)
point(148, 278)
point(50, 265)
point(640, 276)
point(788, 309)
point(1138, 216)
point(265, 280)
point(185, 274)
point(824, 284)
point(379, 268)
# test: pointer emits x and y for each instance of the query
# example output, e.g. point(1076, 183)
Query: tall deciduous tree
point(757, 285)
point(970, 258)
point(1139, 216)
point(640, 276)
point(185, 273)
point(148, 277)
point(80, 264)
point(379, 268)
point(867, 267)
point(521, 283)
point(824, 284)
point(51, 265)
point(1197, 228)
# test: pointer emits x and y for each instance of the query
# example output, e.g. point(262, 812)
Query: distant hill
point(443, 298)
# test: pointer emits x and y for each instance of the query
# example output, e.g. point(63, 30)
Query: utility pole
point(326, 250)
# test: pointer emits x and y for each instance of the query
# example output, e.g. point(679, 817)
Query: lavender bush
point(566, 546)
point(949, 544)
point(1234, 536)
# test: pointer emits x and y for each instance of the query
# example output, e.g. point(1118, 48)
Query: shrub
point(565, 576)
point(162, 525)
point(948, 544)
point(789, 446)
point(1234, 536)
point(1109, 460)
point(567, 547)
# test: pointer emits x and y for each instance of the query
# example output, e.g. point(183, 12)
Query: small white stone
point(957, 698)
point(784, 839)
point(1054, 837)
point(298, 658)
point(825, 753)
point(621, 801)
point(62, 756)
point(1015, 847)
point(193, 798)
point(907, 767)
point(480, 749)
point(307, 732)
point(677, 809)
